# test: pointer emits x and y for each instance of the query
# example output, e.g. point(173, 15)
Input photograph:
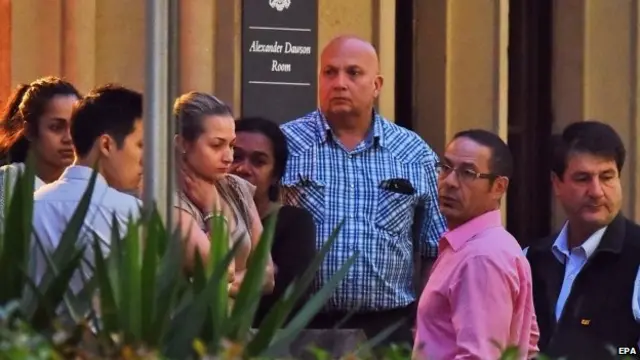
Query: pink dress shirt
point(478, 297)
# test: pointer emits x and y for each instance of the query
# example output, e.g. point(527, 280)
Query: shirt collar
point(324, 131)
point(80, 172)
point(459, 236)
point(561, 249)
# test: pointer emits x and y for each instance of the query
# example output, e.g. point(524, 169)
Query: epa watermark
point(627, 350)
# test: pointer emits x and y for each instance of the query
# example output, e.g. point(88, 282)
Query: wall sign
point(279, 58)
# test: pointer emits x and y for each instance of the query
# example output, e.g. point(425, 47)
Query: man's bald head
point(349, 78)
point(352, 43)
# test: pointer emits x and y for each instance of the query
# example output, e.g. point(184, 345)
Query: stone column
point(384, 35)
point(77, 46)
point(460, 68)
point(197, 44)
point(5, 50)
point(228, 50)
point(119, 42)
point(36, 34)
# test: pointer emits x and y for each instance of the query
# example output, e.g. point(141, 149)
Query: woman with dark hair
point(36, 117)
point(260, 157)
point(204, 145)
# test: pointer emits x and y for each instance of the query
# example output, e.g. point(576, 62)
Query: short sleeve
point(247, 189)
point(241, 196)
point(181, 202)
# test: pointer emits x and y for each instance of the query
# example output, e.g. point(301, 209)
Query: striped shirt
point(334, 184)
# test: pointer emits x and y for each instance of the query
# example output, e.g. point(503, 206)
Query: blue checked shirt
point(335, 184)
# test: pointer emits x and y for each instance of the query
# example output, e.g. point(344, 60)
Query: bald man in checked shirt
point(349, 163)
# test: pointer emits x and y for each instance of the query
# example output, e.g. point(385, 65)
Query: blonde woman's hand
point(231, 272)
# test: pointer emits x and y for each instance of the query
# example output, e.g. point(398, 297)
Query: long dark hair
point(27, 104)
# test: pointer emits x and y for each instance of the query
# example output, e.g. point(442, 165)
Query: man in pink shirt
point(478, 299)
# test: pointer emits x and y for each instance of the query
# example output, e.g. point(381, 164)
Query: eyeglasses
point(465, 174)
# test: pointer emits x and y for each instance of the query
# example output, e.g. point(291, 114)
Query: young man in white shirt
point(107, 131)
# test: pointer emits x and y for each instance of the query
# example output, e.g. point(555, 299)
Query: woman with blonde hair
point(204, 145)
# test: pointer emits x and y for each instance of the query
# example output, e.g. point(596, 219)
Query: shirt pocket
point(394, 211)
point(306, 193)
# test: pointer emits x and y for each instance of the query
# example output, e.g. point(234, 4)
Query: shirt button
point(353, 186)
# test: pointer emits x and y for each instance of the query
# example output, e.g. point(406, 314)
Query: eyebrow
point(221, 138)
point(256, 152)
point(349, 66)
point(260, 153)
point(464, 163)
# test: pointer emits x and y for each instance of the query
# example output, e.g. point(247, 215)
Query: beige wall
point(91, 42)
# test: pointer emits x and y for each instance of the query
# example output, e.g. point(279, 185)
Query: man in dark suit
point(585, 278)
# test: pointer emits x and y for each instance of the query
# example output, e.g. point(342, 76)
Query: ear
point(556, 182)
point(500, 187)
point(377, 85)
point(106, 145)
point(180, 144)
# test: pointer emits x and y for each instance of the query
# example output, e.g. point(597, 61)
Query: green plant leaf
point(169, 285)
point(17, 233)
point(219, 309)
point(187, 323)
point(284, 337)
point(31, 302)
point(45, 312)
point(109, 311)
point(115, 258)
point(148, 281)
point(250, 292)
point(130, 281)
point(379, 338)
point(283, 307)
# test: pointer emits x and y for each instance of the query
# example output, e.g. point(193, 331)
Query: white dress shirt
point(55, 203)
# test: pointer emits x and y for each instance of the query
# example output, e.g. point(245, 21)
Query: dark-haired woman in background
point(260, 157)
point(36, 117)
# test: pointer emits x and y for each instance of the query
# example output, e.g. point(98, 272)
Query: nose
point(340, 81)
point(241, 167)
point(449, 179)
point(66, 137)
point(595, 188)
point(227, 157)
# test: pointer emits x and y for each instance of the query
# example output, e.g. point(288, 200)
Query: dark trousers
point(372, 323)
